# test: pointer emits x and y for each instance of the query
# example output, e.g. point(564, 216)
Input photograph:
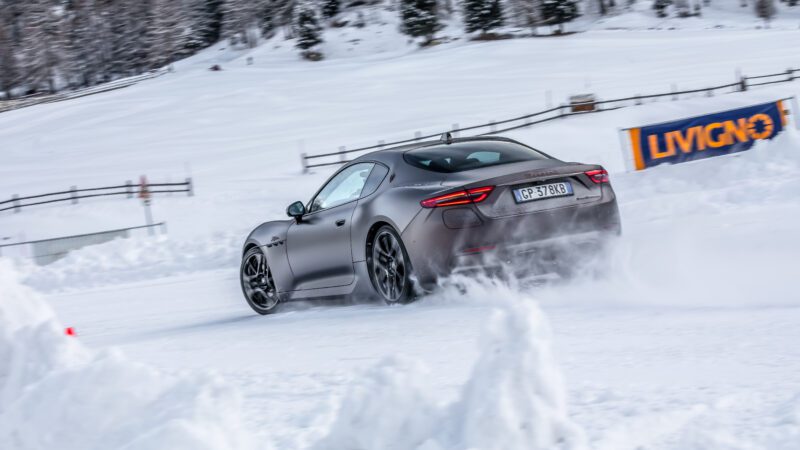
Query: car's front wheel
point(258, 285)
point(389, 267)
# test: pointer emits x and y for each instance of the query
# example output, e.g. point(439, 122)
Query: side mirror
point(296, 210)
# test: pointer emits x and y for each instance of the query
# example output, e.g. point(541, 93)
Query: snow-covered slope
point(688, 344)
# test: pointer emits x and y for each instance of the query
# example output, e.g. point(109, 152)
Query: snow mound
point(514, 397)
point(390, 408)
point(55, 393)
point(134, 259)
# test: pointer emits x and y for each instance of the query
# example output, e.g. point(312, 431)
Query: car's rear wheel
point(390, 267)
point(258, 285)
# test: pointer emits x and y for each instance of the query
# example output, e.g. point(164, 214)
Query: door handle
point(340, 222)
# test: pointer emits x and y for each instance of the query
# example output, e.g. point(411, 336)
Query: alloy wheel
point(389, 267)
point(257, 282)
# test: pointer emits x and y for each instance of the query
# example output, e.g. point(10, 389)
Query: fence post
point(743, 84)
point(73, 194)
point(189, 187)
point(381, 143)
point(129, 188)
point(492, 126)
point(790, 74)
point(303, 162)
point(17, 206)
point(674, 92)
point(417, 135)
point(454, 130)
point(342, 156)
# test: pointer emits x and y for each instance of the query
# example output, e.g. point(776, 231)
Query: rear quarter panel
point(395, 202)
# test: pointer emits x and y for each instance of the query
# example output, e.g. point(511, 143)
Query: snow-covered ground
point(688, 344)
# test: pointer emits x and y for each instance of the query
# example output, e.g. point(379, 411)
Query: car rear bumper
point(533, 240)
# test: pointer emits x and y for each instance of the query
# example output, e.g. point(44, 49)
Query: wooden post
point(743, 84)
point(189, 187)
point(304, 162)
point(73, 194)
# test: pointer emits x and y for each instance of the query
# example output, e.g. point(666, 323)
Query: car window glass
point(375, 178)
point(484, 157)
point(345, 187)
point(462, 156)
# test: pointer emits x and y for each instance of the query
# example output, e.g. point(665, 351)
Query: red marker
point(69, 331)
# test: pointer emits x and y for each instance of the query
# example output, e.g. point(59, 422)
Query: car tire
point(257, 283)
point(390, 267)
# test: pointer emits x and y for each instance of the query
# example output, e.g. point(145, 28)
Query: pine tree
point(418, 18)
point(307, 29)
point(524, 13)
point(199, 17)
point(208, 19)
point(9, 48)
point(682, 8)
point(559, 12)
point(661, 7)
point(165, 33)
point(42, 43)
point(238, 17)
point(482, 15)
point(330, 8)
point(765, 9)
point(81, 62)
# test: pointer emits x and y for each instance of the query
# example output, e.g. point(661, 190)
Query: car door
point(318, 246)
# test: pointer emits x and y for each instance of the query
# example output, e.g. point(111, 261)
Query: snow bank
point(134, 259)
point(513, 399)
point(55, 393)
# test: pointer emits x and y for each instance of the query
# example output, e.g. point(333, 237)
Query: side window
point(343, 188)
point(375, 178)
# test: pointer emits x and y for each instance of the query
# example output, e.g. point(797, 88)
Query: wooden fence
point(22, 102)
point(514, 123)
point(129, 189)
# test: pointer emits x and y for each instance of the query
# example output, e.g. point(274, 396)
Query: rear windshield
point(463, 156)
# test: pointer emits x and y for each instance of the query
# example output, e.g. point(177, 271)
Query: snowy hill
point(688, 344)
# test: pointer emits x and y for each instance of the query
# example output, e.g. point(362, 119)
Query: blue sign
point(702, 137)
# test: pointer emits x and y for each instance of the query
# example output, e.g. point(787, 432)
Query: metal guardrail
point(129, 189)
point(551, 114)
point(8, 105)
point(46, 251)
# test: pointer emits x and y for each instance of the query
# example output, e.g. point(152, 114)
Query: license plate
point(531, 193)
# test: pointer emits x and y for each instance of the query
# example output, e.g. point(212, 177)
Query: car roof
point(390, 154)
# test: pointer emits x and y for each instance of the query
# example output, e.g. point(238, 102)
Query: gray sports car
point(390, 223)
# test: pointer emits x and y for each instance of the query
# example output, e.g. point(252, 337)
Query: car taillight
point(465, 197)
point(598, 176)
